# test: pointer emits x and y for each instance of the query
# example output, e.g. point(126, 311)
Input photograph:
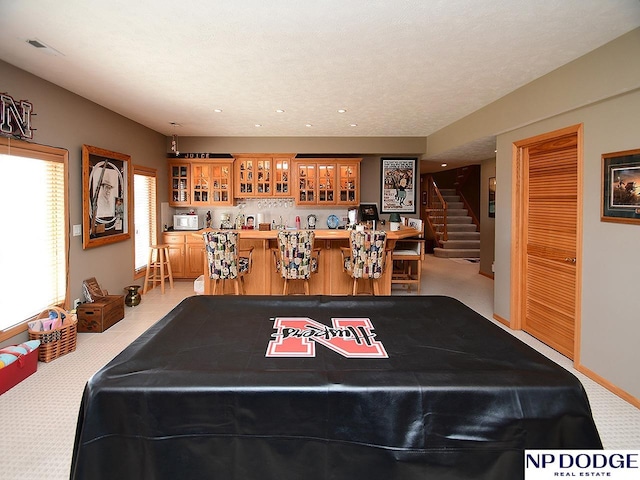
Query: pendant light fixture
point(174, 140)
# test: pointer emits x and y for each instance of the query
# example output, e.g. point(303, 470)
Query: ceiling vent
point(43, 47)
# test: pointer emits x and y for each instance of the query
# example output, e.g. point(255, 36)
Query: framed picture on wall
point(621, 187)
point(398, 189)
point(106, 196)
point(492, 197)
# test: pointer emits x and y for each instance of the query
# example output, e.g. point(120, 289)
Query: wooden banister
point(436, 211)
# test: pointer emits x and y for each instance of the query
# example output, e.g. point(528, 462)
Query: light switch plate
point(77, 230)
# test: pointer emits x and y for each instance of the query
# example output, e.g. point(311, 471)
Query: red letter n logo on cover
point(350, 337)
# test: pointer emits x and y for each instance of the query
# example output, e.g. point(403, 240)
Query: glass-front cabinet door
point(326, 183)
point(221, 192)
point(201, 183)
point(263, 177)
point(348, 192)
point(307, 181)
point(281, 177)
point(245, 177)
point(179, 184)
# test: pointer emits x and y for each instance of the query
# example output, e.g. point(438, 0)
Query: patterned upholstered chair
point(296, 258)
point(365, 257)
point(224, 261)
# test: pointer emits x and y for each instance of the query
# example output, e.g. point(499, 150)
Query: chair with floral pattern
point(296, 258)
point(223, 260)
point(365, 256)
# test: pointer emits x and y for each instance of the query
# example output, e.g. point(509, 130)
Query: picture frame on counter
point(106, 196)
point(398, 185)
point(621, 187)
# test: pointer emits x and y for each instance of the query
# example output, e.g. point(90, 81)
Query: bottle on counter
point(297, 222)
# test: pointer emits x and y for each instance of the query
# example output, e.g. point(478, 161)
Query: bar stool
point(364, 258)
point(223, 260)
point(296, 259)
point(158, 267)
point(407, 252)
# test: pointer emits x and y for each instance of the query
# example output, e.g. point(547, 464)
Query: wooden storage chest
point(101, 314)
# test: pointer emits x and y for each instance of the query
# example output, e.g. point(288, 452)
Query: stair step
point(462, 235)
point(455, 204)
point(461, 244)
point(447, 191)
point(457, 212)
point(457, 227)
point(456, 253)
point(452, 220)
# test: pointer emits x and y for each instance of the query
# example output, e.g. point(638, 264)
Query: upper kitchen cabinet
point(201, 183)
point(348, 182)
point(179, 184)
point(262, 175)
point(327, 181)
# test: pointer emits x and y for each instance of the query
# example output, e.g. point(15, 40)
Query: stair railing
point(474, 219)
point(436, 212)
point(462, 175)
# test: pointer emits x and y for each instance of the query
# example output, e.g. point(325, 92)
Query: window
point(144, 212)
point(33, 249)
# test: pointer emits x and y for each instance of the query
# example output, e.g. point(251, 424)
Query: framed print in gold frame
point(106, 196)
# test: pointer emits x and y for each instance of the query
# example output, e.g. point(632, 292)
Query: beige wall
point(610, 300)
point(602, 91)
point(487, 224)
point(67, 121)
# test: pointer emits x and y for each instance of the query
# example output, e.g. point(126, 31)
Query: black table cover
point(196, 396)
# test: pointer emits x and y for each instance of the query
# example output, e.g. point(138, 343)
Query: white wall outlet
point(77, 230)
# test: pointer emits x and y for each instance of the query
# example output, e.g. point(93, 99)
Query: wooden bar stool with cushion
point(158, 267)
point(224, 261)
point(296, 259)
point(407, 256)
point(365, 257)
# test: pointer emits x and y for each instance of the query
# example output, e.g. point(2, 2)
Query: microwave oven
point(185, 222)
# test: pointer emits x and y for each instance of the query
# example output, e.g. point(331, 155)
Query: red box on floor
point(13, 374)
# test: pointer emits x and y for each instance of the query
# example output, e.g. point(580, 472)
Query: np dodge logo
point(350, 337)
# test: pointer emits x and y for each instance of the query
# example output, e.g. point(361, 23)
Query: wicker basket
point(55, 343)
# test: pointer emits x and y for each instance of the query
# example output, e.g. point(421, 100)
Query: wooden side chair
point(365, 258)
point(224, 260)
point(407, 257)
point(296, 258)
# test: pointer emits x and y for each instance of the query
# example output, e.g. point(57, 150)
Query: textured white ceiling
point(399, 67)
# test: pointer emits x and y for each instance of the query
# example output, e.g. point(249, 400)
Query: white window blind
point(144, 211)
point(33, 249)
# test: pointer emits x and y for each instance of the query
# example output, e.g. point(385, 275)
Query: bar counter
point(330, 278)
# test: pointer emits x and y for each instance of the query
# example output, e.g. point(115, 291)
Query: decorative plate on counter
point(333, 221)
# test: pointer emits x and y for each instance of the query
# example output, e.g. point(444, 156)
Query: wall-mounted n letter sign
point(350, 337)
point(15, 119)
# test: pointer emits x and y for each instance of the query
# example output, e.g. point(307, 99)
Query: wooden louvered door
point(550, 240)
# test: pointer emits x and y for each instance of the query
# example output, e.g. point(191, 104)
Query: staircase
point(463, 238)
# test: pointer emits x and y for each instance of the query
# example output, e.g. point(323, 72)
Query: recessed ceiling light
point(217, 110)
point(279, 110)
point(353, 125)
point(174, 124)
point(308, 125)
point(443, 165)
point(258, 125)
point(342, 110)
